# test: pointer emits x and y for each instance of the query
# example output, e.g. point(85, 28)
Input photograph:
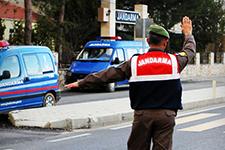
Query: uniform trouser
point(154, 124)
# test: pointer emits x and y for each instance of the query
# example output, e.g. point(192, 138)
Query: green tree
point(81, 23)
point(51, 19)
point(74, 29)
point(44, 32)
point(207, 16)
point(17, 33)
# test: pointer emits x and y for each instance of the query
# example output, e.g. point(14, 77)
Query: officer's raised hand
point(186, 26)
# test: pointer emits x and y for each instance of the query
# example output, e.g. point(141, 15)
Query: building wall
point(12, 11)
point(9, 23)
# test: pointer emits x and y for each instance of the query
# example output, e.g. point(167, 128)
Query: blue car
point(102, 54)
point(28, 77)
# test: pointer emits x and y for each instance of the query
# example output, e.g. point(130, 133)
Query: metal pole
point(214, 88)
point(143, 35)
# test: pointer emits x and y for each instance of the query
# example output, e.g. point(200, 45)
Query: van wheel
point(110, 87)
point(49, 100)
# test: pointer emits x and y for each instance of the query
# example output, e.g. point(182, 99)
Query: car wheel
point(49, 100)
point(110, 87)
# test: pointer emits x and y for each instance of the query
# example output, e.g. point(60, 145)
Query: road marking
point(200, 111)
point(69, 138)
point(194, 118)
point(180, 120)
point(205, 126)
point(121, 127)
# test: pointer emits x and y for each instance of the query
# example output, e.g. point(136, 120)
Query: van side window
point(131, 52)
point(32, 64)
point(119, 54)
point(46, 62)
point(10, 64)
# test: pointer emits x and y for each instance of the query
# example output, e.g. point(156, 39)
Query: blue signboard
point(128, 17)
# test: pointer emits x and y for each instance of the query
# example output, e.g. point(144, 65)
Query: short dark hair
point(155, 39)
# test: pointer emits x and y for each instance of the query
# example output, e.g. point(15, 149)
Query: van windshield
point(95, 54)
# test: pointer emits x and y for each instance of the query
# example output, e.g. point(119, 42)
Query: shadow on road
point(4, 122)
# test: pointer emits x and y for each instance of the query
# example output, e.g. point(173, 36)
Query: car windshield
point(95, 54)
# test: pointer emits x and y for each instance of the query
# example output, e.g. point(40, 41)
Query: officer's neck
point(157, 47)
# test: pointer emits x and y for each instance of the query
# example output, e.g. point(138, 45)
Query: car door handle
point(26, 79)
point(50, 71)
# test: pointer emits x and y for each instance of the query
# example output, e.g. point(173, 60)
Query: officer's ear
point(168, 50)
point(165, 43)
point(147, 40)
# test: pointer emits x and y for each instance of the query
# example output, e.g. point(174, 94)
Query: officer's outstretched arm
point(189, 47)
point(112, 74)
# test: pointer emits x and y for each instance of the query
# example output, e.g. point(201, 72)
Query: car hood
point(87, 67)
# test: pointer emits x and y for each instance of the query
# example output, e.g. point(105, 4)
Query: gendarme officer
point(154, 87)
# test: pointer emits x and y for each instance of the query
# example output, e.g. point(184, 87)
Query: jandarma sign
point(128, 17)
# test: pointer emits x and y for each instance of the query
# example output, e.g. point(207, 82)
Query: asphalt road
point(72, 96)
point(15, 138)
point(200, 129)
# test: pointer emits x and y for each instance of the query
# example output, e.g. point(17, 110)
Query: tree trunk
point(60, 40)
point(28, 22)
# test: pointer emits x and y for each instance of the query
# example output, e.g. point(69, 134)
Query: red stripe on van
point(28, 90)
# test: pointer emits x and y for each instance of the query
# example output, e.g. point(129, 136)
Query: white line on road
point(179, 120)
point(197, 117)
point(121, 127)
point(200, 111)
point(69, 138)
point(205, 126)
point(194, 118)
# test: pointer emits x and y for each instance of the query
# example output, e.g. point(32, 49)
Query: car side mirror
point(5, 75)
point(116, 61)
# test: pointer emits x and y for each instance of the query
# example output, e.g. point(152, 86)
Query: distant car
point(28, 77)
point(102, 54)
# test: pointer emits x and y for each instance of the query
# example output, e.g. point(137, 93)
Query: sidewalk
point(102, 113)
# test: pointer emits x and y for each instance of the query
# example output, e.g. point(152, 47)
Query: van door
point(40, 76)
point(119, 57)
point(12, 90)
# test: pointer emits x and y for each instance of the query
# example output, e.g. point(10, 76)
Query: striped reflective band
point(136, 78)
point(23, 91)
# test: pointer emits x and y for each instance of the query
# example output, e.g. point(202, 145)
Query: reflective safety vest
point(155, 81)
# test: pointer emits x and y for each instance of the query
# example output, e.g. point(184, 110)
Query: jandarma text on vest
point(151, 60)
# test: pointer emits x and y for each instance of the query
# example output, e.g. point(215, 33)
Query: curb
point(91, 121)
point(203, 103)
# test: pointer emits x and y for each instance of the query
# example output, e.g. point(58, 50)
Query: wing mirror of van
point(115, 61)
point(5, 75)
